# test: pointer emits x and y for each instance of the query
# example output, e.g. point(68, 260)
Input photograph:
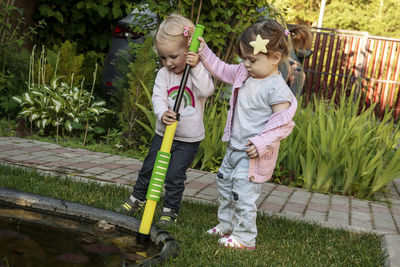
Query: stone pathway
point(328, 210)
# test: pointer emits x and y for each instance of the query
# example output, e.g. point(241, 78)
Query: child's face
point(172, 55)
point(260, 66)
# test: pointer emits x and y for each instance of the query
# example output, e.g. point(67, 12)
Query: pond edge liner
point(169, 247)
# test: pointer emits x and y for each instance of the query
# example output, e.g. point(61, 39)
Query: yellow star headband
point(260, 45)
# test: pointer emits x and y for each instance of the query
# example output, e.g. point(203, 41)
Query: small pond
point(32, 239)
point(61, 233)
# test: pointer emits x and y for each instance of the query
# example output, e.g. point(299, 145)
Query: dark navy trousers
point(182, 156)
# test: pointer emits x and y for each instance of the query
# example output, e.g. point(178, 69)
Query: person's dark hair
point(268, 29)
point(300, 36)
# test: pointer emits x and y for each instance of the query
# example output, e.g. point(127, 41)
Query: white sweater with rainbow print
point(198, 88)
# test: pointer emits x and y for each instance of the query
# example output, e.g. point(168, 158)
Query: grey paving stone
point(397, 219)
point(385, 231)
point(391, 244)
point(338, 217)
point(82, 165)
point(86, 175)
point(122, 171)
point(360, 216)
point(276, 199)
point(360, 203)
point(315, 216)
point(281, 194)
point(209, 191)
point(128, 161)
point(336, 222)
point(300, 196)
point(268, 187)
point(290, 215)
point(103, 161)
point(384, 222)
point(91, 157)
point(112, 158)
point(340, 201)
point(96, 170)
point(319, 198)
point(284, 188)
point(295, 207)
point(25, 144)
point(44, 167)
point(132, 176)
point(51, 146)
point(70, 160)
point(271, 206)
point(107, 176)
point(208, 178)
point(193, 174)
point(22, 157)
point(190, 178)
point(190, 192)
point(262, 197)
point(362, 223)
point(52, 159)
point(395, 203)
point(10, 153)
point(44, 153)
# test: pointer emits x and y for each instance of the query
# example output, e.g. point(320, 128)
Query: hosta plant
point(58, 105)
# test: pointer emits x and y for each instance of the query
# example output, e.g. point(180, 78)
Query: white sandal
point(230, 242)
point(215, 231)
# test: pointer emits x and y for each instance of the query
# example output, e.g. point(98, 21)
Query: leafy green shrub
point(134, 88)
point(13, 76)
point(88, 22)
point(13, 56)
point(73, 67)
point(68, 68)
point(333, 149)
point(58, 105)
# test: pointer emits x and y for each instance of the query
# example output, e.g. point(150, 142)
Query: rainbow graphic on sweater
point(188, 97)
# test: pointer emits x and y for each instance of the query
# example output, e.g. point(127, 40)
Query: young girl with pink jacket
point(261, 113)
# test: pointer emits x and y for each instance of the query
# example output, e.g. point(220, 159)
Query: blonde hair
point(173, 29)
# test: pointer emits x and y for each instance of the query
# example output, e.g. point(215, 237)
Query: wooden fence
point(343, 59)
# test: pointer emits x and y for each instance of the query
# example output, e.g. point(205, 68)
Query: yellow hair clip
point(260, 45)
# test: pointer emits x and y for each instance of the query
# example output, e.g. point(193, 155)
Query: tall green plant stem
point(88, 103)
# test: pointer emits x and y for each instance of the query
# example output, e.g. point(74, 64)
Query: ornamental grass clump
point(336, 148)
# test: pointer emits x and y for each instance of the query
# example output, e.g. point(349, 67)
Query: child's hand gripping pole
point(163, 156)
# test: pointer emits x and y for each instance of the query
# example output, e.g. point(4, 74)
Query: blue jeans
point(182, 156)
point(237, 211)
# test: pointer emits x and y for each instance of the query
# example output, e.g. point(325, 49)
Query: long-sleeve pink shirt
point(278, 127)
point(199, 87)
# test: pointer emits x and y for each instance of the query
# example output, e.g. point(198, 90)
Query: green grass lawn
point(280, 242)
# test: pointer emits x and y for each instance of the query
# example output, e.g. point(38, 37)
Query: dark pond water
point(29, 238)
